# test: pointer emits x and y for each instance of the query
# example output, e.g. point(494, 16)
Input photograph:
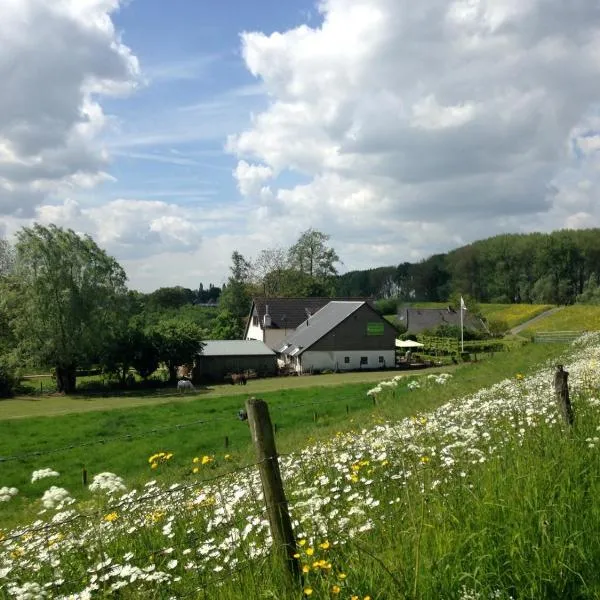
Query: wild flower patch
point(181, 537)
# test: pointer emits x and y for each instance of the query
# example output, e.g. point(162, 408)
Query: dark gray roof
point(236, 348)
point(419, 319)
point(318, 325)
point(288, 313)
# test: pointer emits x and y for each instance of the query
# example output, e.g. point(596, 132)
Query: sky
point(177, 132)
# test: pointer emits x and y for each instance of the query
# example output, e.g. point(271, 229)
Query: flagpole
point(462, 341)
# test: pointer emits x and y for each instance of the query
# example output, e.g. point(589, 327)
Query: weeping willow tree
point(63, 299)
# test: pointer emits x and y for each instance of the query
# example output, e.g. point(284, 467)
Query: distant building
point(341, 336)
point(222, 357)
point(417, 320)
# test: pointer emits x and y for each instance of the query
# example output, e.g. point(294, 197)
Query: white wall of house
point(255, 333)
point(346, 360)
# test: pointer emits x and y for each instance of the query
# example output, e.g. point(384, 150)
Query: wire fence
point(131, 503)
point(276, 409)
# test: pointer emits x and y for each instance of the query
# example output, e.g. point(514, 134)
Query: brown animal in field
point(239, 378)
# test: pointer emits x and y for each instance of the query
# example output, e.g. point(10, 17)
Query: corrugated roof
point(315, 327)
point(236, 348)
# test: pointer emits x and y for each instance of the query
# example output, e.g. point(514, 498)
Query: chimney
point(267, 317)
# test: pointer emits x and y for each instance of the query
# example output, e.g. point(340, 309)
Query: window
point(364, 360)
point(255, 320)
point(346, 360)
point(381, 360)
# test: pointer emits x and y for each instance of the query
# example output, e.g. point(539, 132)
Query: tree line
point(562, 267)
point(65, 306)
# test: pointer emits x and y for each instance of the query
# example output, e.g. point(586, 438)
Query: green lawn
point(570, 318)
point(338, 408)
point(40, 406)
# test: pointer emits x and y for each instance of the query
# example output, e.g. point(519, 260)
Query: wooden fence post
point(270, 475)
point(226, 441)
point(84, 478)
point(561, 389)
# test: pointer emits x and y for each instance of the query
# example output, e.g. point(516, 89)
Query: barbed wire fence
point(266, 475)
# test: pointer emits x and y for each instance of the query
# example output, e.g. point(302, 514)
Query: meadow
point(463, 485)
point(578, 317)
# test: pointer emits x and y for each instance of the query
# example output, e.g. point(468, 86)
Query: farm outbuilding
point(220, 358)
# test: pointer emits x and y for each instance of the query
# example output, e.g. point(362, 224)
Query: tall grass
point(485, 496)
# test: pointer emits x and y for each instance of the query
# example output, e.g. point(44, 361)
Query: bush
point(8, 379)
point(386, 306)
point(498, 327)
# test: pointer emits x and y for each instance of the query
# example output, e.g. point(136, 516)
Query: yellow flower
point(296, 555)
point(424, 459)
point(342, 576)
point(227, 457)
point(110, 517)
point(336, 589)
point(355, 598)
point(305, 569)
point(302, 543)
point(196, 460)
point(195, 470)
point(324, 545)
point(206, 460)
point(310, 551)
point(367, 598)
point(307, 591)
point(154, 465)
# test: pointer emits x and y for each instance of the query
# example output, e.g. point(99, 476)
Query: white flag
point(463, 306)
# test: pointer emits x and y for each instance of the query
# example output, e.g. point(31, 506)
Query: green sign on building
point(375, 328)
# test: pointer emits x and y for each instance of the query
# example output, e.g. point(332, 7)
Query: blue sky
point(171, 134)
point(177, 132)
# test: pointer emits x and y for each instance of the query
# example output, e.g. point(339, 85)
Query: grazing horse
point(185, 384)
point(238, 378)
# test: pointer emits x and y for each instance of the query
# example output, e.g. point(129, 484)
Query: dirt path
point(525, 325)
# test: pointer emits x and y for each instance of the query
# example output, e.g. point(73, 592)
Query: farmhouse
point(221, 357)
point(341, 336)
point(417, 320)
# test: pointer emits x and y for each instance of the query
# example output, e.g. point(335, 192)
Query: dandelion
point(207, 459)
point(336, 589)
point(308, 591)
point(310, 551)
point(325, 545)
point(111, 517)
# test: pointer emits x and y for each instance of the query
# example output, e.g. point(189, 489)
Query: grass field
point(571, 318)
point(47, 405)
point(484, 497)
point(338, 407)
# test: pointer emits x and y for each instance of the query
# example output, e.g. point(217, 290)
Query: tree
point(312, 256)
point(63, 299)
point(268, 270)
point(169, 297)
point(234, 302)
point(7, 258)
point(177, 342)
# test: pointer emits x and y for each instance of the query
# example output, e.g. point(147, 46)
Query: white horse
point(185, 384)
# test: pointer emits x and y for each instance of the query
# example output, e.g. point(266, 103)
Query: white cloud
point(422, 125)
point(251, 178)
point(57, 59)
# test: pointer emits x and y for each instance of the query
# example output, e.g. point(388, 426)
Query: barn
point(222, 357)
point(342, 336)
